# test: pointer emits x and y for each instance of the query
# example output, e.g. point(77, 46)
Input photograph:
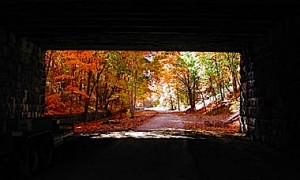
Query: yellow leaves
point(122, 84)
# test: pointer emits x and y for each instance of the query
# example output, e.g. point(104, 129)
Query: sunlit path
point(163, 122)
point(164, 125)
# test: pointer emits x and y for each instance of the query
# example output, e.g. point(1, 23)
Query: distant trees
point(196, 76)
point(92, 81)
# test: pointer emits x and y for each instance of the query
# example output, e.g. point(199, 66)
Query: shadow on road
point(205, 157)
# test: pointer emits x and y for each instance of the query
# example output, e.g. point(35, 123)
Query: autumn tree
point(233, 65)
point(135, 81)
point(72, 73)
point(188, 73)
point(60, 81)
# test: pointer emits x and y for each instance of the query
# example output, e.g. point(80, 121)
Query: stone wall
point(268, 80)
point(269, 84)
point(22, 82)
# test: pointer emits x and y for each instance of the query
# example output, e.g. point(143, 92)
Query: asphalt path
point(169, 157)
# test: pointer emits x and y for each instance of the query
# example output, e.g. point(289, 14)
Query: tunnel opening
point(145, 94)
point(266, 34)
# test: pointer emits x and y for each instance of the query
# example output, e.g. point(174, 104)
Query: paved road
point(164, 121)
point(168, 158)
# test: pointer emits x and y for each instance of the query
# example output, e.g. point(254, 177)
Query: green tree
point(188, 72)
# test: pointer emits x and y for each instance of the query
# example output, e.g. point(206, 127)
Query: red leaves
point(197, 122)
point(109, 125)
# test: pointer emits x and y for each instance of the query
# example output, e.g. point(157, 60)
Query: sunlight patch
point(133, 134)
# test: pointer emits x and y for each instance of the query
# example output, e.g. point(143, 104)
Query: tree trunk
point(132, 103)
point(87, 100)
point(203, 101)
point(192, 100)
point(178, 100)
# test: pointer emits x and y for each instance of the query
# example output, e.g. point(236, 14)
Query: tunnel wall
point(269, 86)
point(22, 83)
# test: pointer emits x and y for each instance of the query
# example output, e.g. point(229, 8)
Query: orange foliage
point(75, 90)
point(53, 105)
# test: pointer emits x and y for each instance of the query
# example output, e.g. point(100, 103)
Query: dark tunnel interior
point(266, 34)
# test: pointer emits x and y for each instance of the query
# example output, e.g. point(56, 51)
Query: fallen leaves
point(109, 125)
point(193, 122)
point(217, 123)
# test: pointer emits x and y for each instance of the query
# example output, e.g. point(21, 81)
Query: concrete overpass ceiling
point(148, 25)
